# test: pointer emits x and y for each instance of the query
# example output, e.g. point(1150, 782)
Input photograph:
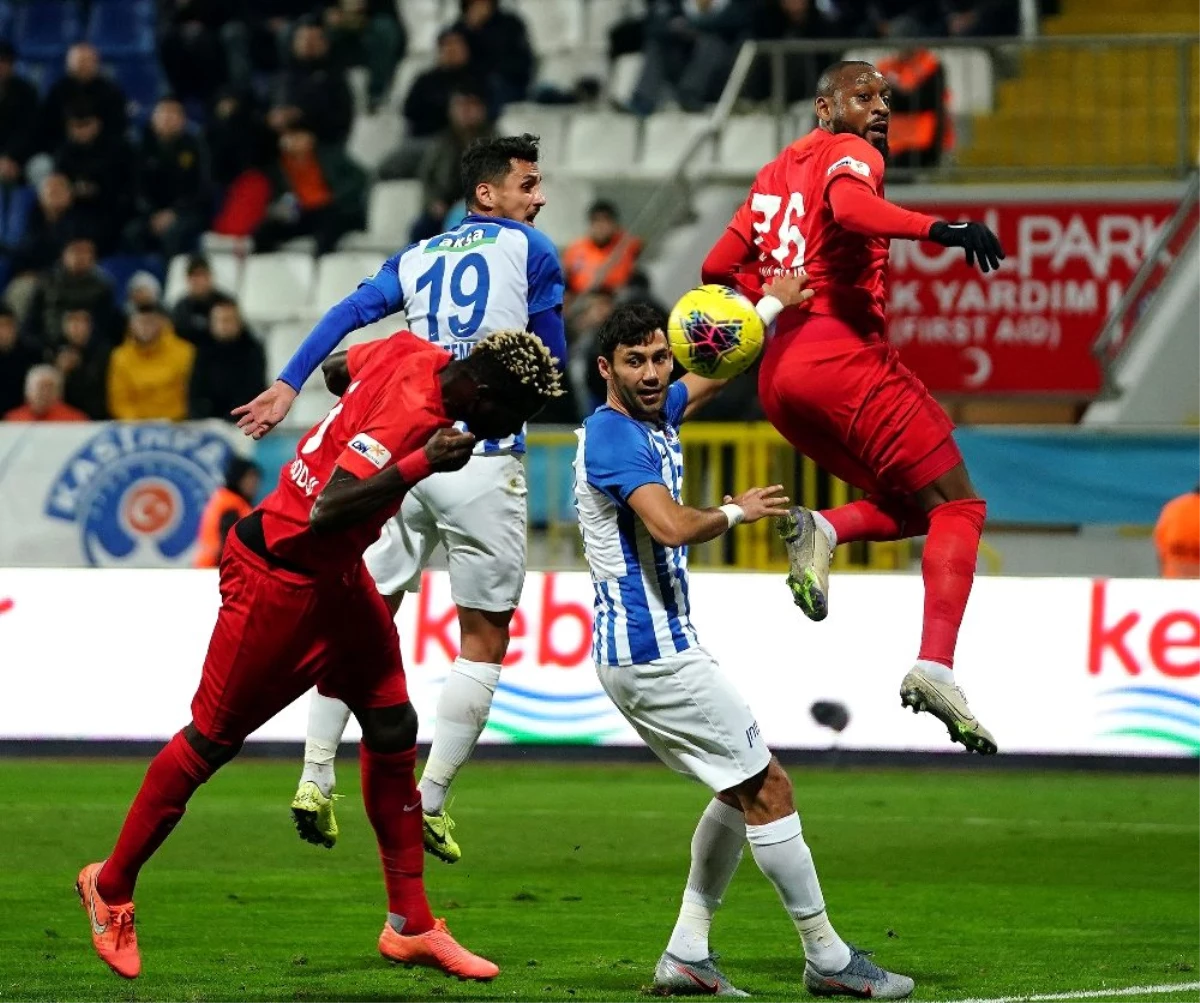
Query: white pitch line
point(1091, 994)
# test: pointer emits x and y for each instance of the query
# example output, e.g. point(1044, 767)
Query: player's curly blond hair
point(519, 358)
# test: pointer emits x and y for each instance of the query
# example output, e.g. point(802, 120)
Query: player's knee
point(215, 754)
point(389, 729)
point(485, 634)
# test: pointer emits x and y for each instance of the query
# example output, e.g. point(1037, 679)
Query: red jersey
point(787, 217)
point(390, 409)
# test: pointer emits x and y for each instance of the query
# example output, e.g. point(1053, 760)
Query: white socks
point(826, 527)
point(462, 714)
point(327, 717)
point(783, 856)
point(716, 852)
point(936, 671)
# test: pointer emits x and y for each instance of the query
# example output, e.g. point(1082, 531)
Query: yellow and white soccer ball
point(715, 332)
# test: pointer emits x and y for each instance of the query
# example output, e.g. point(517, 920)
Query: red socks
point(173, 777)
point(394, 807)
point(948, 569)
point(876, 518)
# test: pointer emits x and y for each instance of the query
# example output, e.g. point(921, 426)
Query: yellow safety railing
point(719, 458)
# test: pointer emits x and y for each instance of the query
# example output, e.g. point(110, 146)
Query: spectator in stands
point(500, 50)
point(776, 20)
point(586, 257)
point(81, 357)
point(142, 290)
point(17, 357)
point(322, 193)
point(237, 136)
point(313, 90)
point(690, 47)
point(75, 283)
point(83, 85)
point(920, 127)
point(981, 18)
point(100, 167)
point(18, 118)
point(149, 372)
point(1177, 536)
point(172, 185)
point(43, 398)
point(190, 47)
point(52, 221)
point(441, 179)
point(193, 309)
point(427, 106)
point(367, 33)
point(231, 367)
point(227, 505)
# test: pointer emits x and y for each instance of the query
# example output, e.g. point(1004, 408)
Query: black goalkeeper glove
point(978, 240)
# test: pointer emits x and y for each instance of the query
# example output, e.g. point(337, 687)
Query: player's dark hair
point(488, 161)
point(631, 324)
point(828, 81)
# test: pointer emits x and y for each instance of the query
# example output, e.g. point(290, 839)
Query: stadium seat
point(666, 136)
point(277, 286)
point(563, 70)
point(564, 216)
point(411, 66)
point(393, 207)
point(624, 77)
point(226, 270)
point(280, 341)
point(746, 143)
point(312, 405)
point(142, 82)
point(547, 121)
point(423, 19)
point(338, 275)
point(601, 144)
point(358, 79)
point(121, 29)
point(553, 25)
point(601, 16)
point(47, 28)
point(373, 332)
point(373, 137)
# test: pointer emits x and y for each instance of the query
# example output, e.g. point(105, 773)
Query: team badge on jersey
point(374, 451)
point(857, 166)
point(137, 492)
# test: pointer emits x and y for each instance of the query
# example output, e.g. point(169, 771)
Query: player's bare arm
point(346, 499)
point(675, 525)
point(336, 372)
point(790, 289)
point(267, 410)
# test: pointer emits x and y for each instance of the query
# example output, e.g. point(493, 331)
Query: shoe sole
point(435, 849)
point(805, 585)
point(410, 965)
point(308, 829)
point(918, 703)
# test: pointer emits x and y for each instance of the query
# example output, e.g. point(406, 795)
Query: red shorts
point(854, 408)
point(279, 633)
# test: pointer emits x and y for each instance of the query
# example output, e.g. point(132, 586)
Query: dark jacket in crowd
point(107, 164)
point(500, 48)
point(172, 174)
point(59, 292)
point(14, 364)
point(43, 240)
point(427, 106)
point(226, 374)
point(319, 89)
point(86, 385)
point(19, 119)
point(101, 94)
point(190, 315)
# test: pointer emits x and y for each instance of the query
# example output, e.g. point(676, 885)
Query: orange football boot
point(435, 948)
point(113, 934)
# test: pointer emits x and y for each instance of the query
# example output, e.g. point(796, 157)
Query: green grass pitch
point(978, 884)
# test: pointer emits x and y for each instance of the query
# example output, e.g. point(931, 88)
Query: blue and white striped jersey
point(641, 609)
point(487, 274)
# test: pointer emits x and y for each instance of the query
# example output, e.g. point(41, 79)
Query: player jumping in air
point(835, 388)
point(636, 531)
point(298, 610)
point(492, 271)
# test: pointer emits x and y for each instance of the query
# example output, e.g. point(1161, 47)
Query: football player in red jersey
point(831, 383)
point(298, 609)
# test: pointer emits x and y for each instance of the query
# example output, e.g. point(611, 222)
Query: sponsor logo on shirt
point(377, 453)
point(475, 237)
point(857, 166)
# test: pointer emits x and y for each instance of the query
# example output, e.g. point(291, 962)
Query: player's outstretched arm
point(675, 525)
point(346, 500)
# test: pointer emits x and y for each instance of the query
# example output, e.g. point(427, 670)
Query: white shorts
point(478, 514)
point(691, 716)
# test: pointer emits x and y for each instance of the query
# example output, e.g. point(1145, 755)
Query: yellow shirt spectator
point(148, 374)
point(1177, 537)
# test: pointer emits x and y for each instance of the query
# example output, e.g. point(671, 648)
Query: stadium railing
point(721, 458)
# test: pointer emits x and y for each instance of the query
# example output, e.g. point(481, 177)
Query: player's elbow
point(668, 534)
point(322, 516)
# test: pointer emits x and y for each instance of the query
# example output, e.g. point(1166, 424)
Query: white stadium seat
point(564, 70)
point(564, 216)
point(226, 269)
point(423, 19)
point(411, 67)
point(624, 77)
point(553, 25)
point(747, 142)
point(338, 275)
point(373, 137)
point(312, 405)
point(666, 136)
point(277, 286)
point(393, 207)
point(601, 16)
point(280, 341)
point(548, 122)
point(601, 144)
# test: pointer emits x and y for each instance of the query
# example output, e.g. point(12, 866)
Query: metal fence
point(1052, 107)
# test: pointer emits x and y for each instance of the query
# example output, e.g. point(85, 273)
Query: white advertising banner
point(1051, 665)
point(107, 494)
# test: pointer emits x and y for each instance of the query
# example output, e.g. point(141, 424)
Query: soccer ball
point(715, 332)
